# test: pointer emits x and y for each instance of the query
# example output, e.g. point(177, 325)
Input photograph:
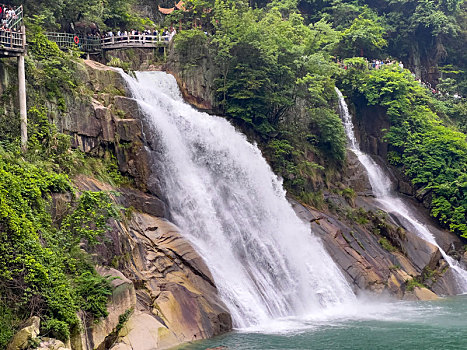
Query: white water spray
point(390, 202)
point(230, 205)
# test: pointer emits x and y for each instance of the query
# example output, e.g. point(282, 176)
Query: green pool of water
point(400, 325)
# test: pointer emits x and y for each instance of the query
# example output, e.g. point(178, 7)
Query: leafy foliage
point(42, 270)
point(106, 13)
point(47, 67)
point(269, 61)
point(364, 36)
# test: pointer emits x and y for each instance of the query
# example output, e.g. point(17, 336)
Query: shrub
point(40, 271)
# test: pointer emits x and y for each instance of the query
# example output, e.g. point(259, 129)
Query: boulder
point(355, 175)
point(30, 330)
point(107, 125)
point(144, 332)
point(196, 82)
point(405, 187)
point(176, 297)
point(123, 299)
point(102, 78)
point(422, 253)
point(143, 202)
point(364, 262)
point(129, 130)
point(447, 284)
point(129, 106)
point(51, 344)
point(420, 293)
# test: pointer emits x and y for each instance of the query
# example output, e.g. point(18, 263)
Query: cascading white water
point(390, 202)
point(226, 200)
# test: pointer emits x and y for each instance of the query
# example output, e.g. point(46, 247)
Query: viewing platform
point(13, 44)
point(93, 45)
point(12, 33)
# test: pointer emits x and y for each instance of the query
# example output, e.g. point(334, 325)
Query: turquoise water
point(400, 325)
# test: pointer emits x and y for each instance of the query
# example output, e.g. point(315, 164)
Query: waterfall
point(228, 203)
point(382, 185)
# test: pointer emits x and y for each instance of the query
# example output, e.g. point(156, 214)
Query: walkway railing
point(67, 40)
point(95, 45)
point(11, 41)
point(15, 21)
point(126, 40)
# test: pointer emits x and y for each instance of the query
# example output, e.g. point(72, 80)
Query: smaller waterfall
point(382, 185)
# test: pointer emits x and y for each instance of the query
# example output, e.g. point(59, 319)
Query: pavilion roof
point(179, 6)
point(166, 11)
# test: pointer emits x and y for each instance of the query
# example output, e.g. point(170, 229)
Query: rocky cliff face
point(196, 81)
point(163, 293)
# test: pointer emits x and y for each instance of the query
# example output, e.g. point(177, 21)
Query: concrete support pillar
point(22, 103)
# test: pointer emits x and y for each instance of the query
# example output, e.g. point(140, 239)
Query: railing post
point(22, 104)
point(23, 37)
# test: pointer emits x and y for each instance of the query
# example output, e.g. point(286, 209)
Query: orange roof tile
point(166, 11)
point(181, 5)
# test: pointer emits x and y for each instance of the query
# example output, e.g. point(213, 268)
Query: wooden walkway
point(96, 45)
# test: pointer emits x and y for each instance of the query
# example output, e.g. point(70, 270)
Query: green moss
point(117, 62)
point(412, 283)
point(384, 242)
point(122, 320)
point(104, 169)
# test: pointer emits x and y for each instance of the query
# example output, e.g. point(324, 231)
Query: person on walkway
point(172, 34)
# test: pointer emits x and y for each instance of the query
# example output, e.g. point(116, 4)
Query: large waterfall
point(224, 197)
point(388, 199)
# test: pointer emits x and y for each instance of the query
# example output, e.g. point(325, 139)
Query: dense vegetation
point(270, 61)
point(73, 14)
point(276, 73)
point(43, 271)
point(276, 55)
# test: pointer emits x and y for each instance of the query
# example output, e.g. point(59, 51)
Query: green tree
point(363, 37)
